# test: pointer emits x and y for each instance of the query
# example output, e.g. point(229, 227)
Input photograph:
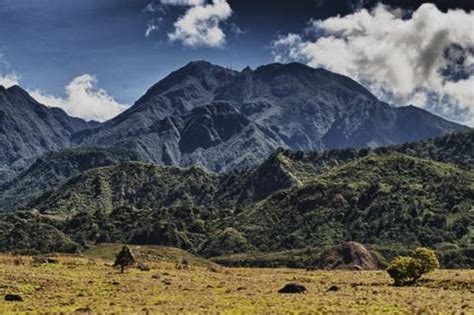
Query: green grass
point(90, 283)
point(148, 252)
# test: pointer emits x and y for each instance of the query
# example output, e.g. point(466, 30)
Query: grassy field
point(90, 284)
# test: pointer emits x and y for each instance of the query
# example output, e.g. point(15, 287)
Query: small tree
point(427, 259)
point(407, 270)
point(124, 258)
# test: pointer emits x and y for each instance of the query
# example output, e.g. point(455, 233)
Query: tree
point(124, 258)
point(407, 270)
point(427, 259)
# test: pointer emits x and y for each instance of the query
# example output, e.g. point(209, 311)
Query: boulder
point(13, 298)
point(292, 288)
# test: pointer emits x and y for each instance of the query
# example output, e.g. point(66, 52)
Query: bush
point(427, 259)
point(124, 258)
point(407, 270)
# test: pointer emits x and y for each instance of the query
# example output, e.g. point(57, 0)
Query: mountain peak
point(289, 105)
point(247, 69)
point(203, 66)
point(199, 63)
point(16, 89)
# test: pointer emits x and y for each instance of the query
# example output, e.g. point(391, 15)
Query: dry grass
point(91, 284)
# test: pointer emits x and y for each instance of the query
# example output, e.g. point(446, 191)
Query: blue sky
point(46, 44)
point(49, 42)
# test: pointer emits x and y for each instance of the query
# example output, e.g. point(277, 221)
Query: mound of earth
point(346, 256)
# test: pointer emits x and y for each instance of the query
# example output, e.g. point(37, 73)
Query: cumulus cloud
point(424, 58)
point(83, 99)
point(201, 25)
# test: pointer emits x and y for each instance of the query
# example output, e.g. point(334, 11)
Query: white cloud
point(426, 59)
point(201, 24)
point(83, 100)
point(183, 2)
point(9, 80)
point(153, 25)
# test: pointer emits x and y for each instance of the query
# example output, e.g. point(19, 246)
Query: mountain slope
point(372, 198)
point(192, 86)
point(214, 136)
point(29, 129)
point(390, 198)
point(52, 170)
point(455, 148)
point(298, 107)
point(131, 184)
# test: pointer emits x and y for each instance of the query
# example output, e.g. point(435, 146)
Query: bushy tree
point(407, 270)
point(124, 258)
point(427, 259)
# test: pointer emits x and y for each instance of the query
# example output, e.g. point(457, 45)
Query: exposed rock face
point(28, 129)
point(182, 119)
point(215, 136)
point(347, 256)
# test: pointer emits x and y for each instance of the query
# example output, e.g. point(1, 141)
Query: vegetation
point(90, 284)
point(124, 259)
point(457, 148)
point(407, 270)
point(149, 252)
point(54, 169)
point(376, 199)
point(372, 200)
point(389, 200)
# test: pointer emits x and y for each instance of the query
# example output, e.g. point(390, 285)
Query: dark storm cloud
point(429, 55)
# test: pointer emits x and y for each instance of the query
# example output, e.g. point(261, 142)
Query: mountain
point(28, 129)
point(52, 170)
point(281, 170)
point(133, 184)
point(287, 105)
point(214, 136)
point(183, 90)
point(374, 197)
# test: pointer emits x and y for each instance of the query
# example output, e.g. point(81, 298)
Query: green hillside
point(293, 200)
point(376, 199)
point(54, 169)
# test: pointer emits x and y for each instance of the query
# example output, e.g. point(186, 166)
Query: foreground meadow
point(85, 284)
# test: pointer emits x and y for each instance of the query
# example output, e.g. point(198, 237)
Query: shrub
point(407, 270)
point(427, 259)
point(182, 264)
point(124, 258)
